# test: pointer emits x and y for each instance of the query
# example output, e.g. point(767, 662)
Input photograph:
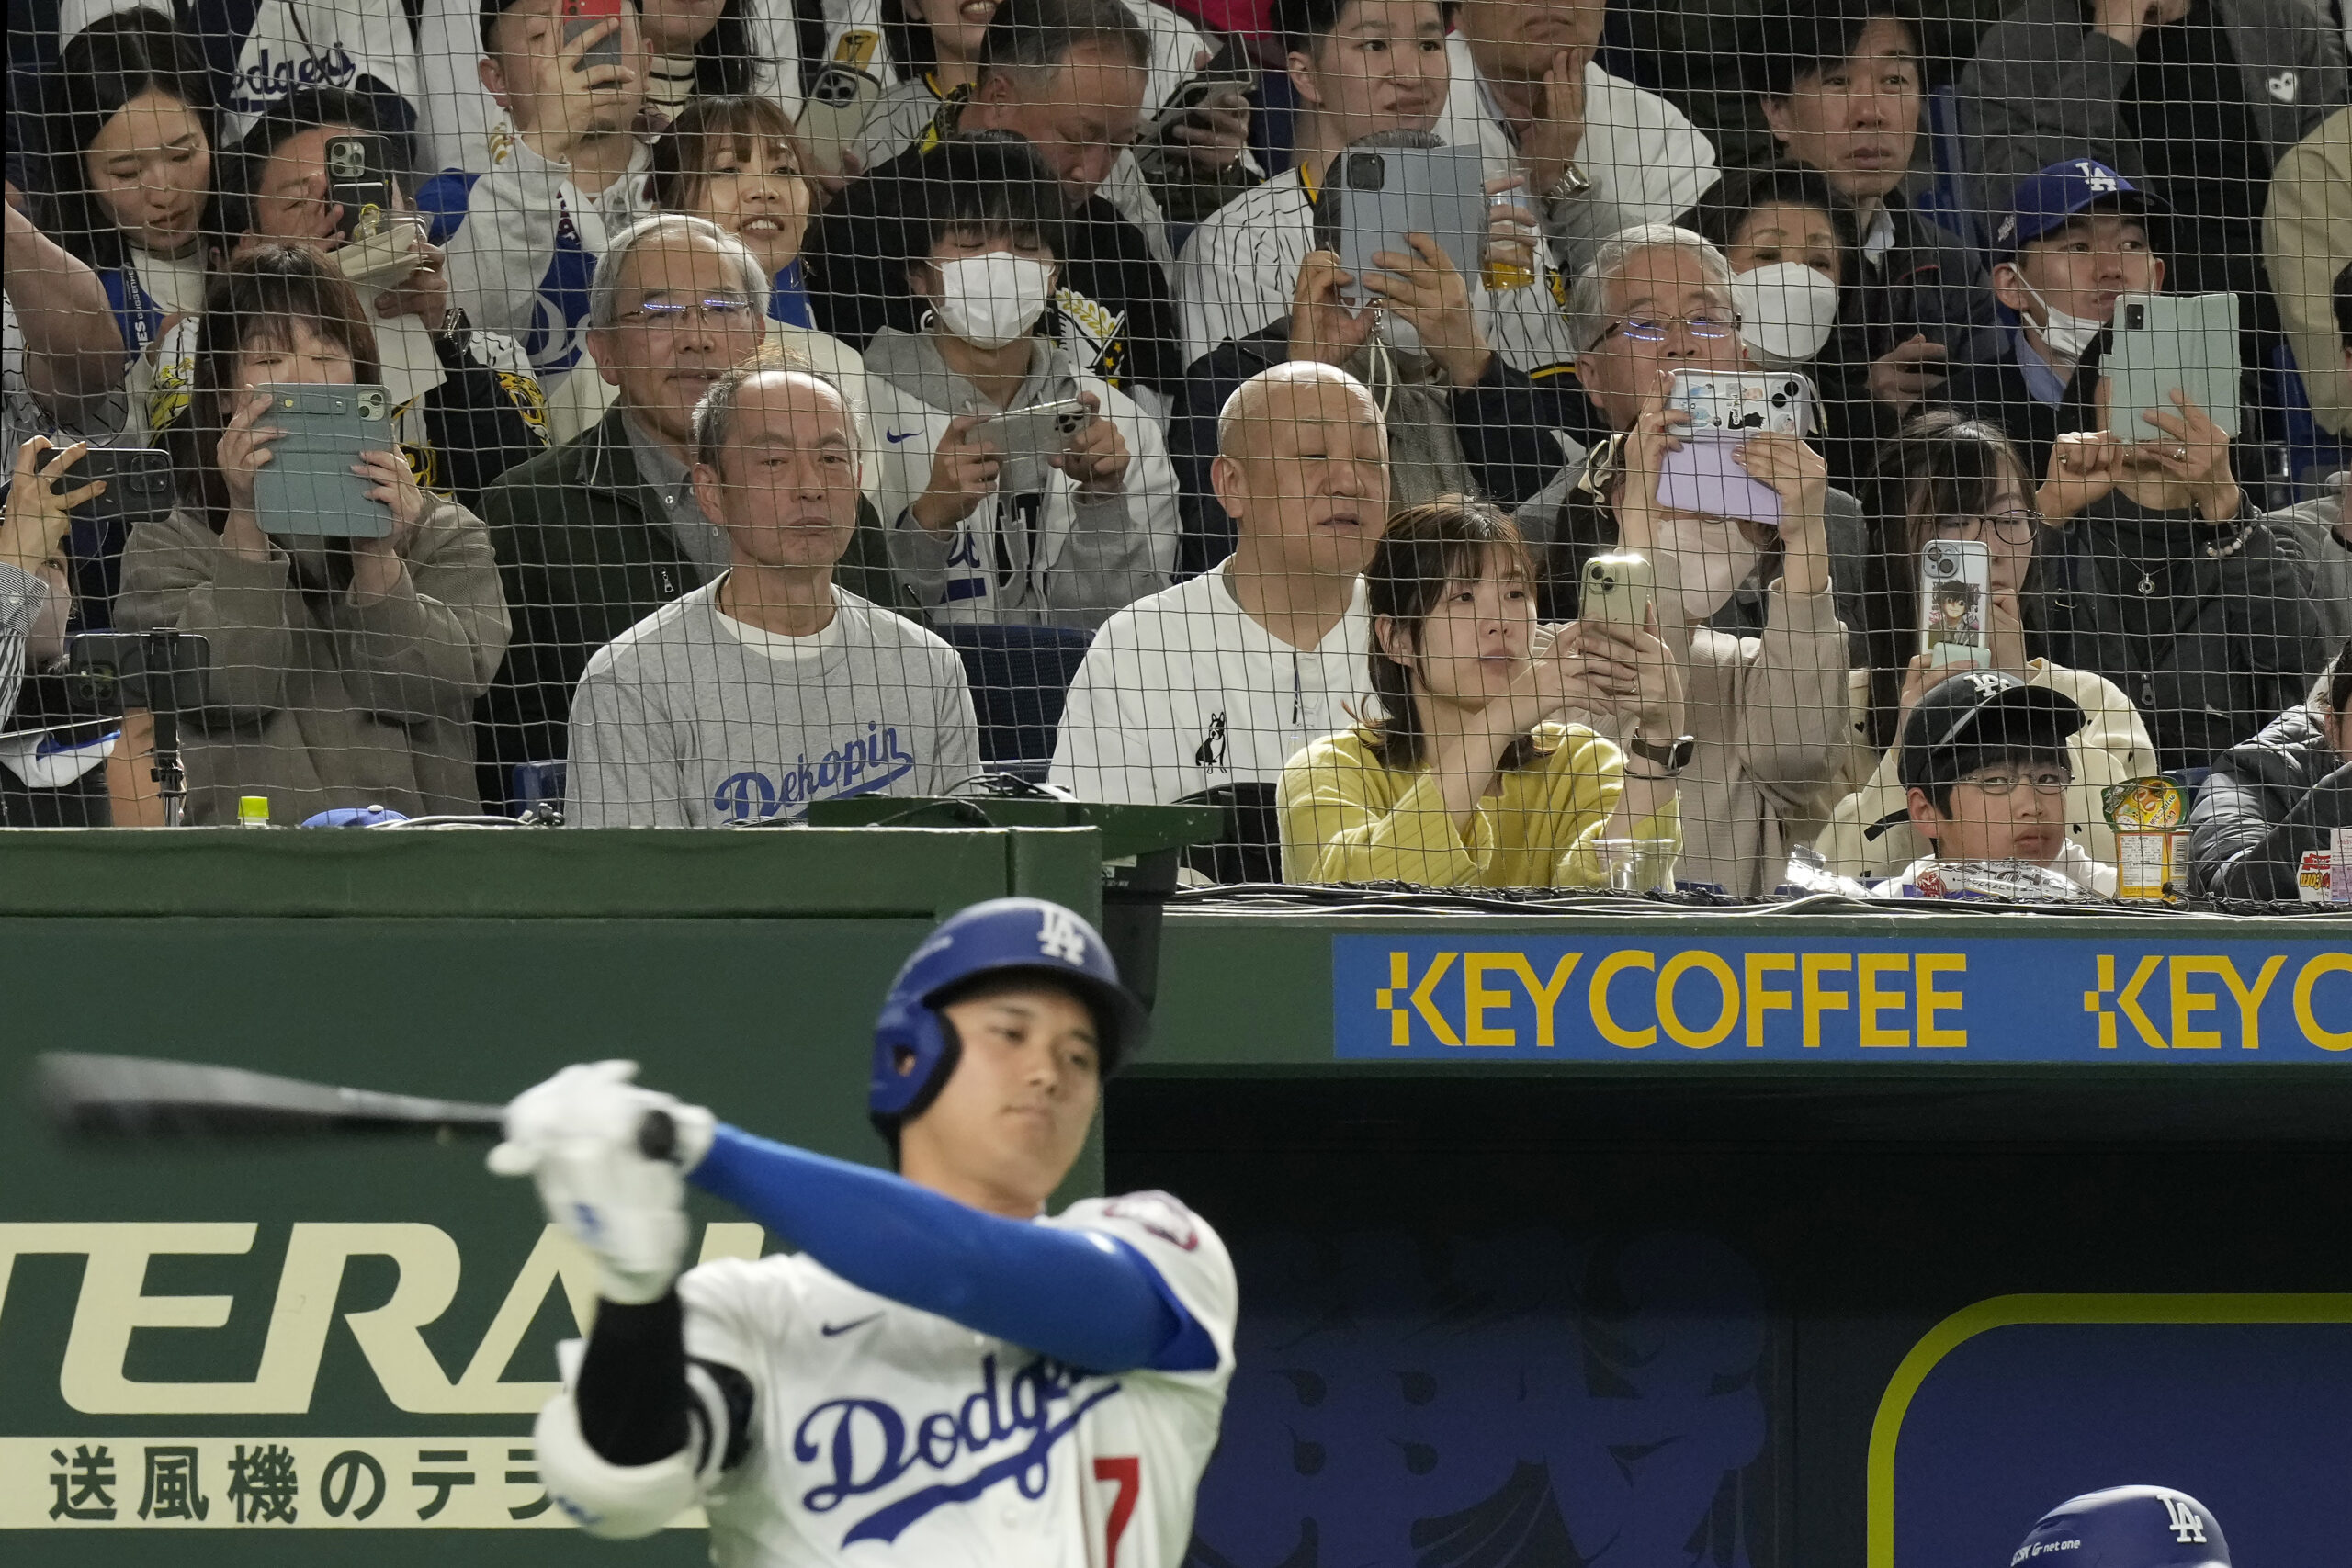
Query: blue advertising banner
point(1590, 996)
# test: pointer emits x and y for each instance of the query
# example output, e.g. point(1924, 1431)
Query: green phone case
point(307, 487)
point(2168, 341)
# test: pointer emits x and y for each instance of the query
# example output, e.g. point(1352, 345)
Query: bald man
point(1217, 681)
point(771, 685)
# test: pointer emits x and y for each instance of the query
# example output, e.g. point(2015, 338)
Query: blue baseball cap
point(2045, 200)
point(2126, 1527)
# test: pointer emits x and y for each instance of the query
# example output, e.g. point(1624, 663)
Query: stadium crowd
point(788, 402)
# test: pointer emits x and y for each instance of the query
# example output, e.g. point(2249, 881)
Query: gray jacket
point(2044, 87)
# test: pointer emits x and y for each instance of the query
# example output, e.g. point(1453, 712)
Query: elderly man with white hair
point(598, 533)
point(1748, 606)
point(1216, 682)
point(770, 686)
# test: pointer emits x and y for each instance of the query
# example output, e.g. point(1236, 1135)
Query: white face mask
point(2070, 336)
point(1786, 311)
point(1714, 557)
point(989, 300)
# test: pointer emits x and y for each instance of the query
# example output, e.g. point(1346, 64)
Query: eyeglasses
point(2047, 781)
point(2010, 527)
point(716, 311)
point(1709, 326)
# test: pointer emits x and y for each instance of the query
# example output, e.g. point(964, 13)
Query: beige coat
point(2306, 241)
point(2112, 746)
point(1768, 714)
point(317, 702)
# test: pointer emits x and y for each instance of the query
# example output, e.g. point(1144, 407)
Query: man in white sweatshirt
point(565, 172)
point(768, 687)
point(1217, 681)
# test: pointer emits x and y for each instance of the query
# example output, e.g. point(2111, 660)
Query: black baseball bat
point(89, 1095)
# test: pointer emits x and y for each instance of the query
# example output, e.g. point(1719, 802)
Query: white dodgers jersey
point(883, 1435)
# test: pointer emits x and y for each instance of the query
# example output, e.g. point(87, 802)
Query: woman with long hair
point(342, 671)
point(1468, 774)
point(1945, 476)
point(127, 183)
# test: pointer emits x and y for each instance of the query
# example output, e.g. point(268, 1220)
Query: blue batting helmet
point(1003, 936)
point(2127, 1527)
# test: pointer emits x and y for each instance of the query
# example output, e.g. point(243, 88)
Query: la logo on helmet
point(1060, 936)
point(2183, 1520)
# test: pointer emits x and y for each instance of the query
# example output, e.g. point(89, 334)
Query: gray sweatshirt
point(691, 718)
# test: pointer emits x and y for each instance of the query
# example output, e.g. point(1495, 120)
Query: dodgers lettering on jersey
point(855, 767)
point(885, 1435)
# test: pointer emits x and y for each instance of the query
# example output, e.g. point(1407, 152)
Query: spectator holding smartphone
point(465, 405)
point(131, 134)
point(2165, 580)
point(976, 533)
point(33, 591)
point(2076, 238)
point(2193, 100)
point(564, 171)
point(1946, 477)
point(342, 672)
point(1766, 705)
point(2278, 796)
point(1460, 774)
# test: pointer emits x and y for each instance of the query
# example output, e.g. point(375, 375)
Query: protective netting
point(1746, 446)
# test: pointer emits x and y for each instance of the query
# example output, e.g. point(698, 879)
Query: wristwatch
point(1668, 759)
point(1573, 182)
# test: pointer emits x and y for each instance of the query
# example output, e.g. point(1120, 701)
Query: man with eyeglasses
point(1985, 768)
point(597, 535)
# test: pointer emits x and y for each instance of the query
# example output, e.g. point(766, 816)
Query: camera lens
point(1606, 583)
point(1366, 171)
point(2136, 317)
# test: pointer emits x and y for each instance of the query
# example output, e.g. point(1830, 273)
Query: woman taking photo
point(342, 672)
point(1947, 476)
point(1467, 776)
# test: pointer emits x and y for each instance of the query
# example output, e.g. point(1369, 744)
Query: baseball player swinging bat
point(940, 1375)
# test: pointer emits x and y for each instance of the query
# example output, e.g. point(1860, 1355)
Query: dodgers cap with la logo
point(2047, 198)
point(2126, 1527)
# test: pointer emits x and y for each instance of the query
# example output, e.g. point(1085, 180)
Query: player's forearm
point(632, 1390)
point(1077, 1298)
point(73, 344)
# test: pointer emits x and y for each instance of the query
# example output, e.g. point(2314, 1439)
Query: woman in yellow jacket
point(1465, 777)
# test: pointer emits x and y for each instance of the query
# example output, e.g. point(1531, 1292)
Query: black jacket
point(2210, 630)
point(1991, 387)
point(1504, 421)
point(1115, 299)
point(2266, 803)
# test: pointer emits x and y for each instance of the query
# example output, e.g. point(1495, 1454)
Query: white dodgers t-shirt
point(885, 1435)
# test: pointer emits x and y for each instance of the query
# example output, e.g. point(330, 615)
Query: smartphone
point(359, 178)
point(1230, 70)
point(158, 670)
point(1382, 193)
point(1617, 588)
point(306, 486)
point(2164, 343)
point(1955, 593)
point(833, 115)
point(1037, 433)
point(139, 485)
point(1703, 476)
point(579, 15)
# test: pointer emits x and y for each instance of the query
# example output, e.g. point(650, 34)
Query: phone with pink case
point(1703, 474)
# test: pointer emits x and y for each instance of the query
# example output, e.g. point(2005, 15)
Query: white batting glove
point(577, 1135)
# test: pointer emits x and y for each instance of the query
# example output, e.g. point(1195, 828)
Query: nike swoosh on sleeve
point(829, 1329)
point(895, 436)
